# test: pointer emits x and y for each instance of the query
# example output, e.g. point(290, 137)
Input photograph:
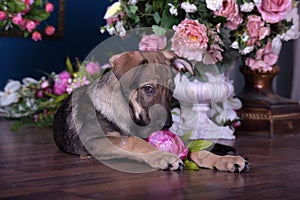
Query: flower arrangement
point(34, 102)
point(26, 16)
point(213, 32)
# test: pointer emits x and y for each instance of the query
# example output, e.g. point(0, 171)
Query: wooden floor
point(31, 167)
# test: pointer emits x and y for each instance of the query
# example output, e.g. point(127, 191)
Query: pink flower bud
point(2, 15)
point(93, 68)
point(30, 25)
point(49, 7)
point(49, 30)
point(168, 141)
point(36, 36)
point(17, 19)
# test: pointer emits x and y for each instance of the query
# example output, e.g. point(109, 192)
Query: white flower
point(132, 2)
point(276, 44)
point(247, 7)
point(235, 45)
point(120, 29)
point(247, 50)
point(28, 81)
point(226, 111)
point(293, 32)
point(110, 29)
point(173, 10)
point(113, 10)
point(188, 8)
point(10, 95)
point(214, 4)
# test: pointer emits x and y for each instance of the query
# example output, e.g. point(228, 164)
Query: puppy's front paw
point(232, 163)
point(163, 160)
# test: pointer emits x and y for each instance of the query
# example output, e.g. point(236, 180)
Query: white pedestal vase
point(195, 98)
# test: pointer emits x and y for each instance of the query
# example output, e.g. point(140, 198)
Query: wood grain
point(31, 167)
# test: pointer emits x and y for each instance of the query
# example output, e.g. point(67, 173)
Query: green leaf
point(69, 65)
point(197, 145)
point(185, 138)
point(168, 20)
point(133, 9)
point(158, 30)
point(156, 18)
point(38, 14)
point(190, 165)
point(38, 3)
point(21, 123)
point(20, 6)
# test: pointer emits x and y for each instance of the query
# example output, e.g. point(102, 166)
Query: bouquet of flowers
point(34, 102)
point(25, 16)
point(213, 32)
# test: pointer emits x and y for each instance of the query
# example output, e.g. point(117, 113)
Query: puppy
point(110, 117)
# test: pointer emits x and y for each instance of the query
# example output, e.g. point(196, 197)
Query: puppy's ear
point(122, 63)
point(180, 64)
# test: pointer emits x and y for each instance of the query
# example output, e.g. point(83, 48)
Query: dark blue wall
point(20, 57)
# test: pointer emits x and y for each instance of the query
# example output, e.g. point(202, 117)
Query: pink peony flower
point(36, 36)
point(168, 141)
point(273, 11)
point(152, 42)
point(190, 40)
point(93, 68)
point(61, 83)
point(2, 15)
point(31, 25)
point(49, 30)
point(49, 7)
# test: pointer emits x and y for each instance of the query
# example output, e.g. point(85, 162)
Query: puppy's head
point(147, 81)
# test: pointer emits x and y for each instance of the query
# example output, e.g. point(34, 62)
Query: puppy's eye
point(149, 89)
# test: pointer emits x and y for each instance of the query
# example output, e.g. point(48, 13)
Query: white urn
point(196, 98)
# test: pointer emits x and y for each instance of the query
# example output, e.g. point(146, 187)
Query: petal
point(9, 99)
point(28, 81)
point(12, 86)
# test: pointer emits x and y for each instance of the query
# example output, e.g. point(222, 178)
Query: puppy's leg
point(229, 163)
point(133, 148)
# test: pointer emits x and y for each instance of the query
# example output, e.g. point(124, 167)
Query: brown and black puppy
point(110, 117)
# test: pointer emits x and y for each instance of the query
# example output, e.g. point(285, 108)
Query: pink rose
point(273, 11)
point(190, 39)
point(17, 19)
point(36, 36)
point(93, 68)
point(61, 83)
point(30, 25)
point(152, 42)
point(168, 141)
point(49, 7)
point(2, 15)
point(230, 11)
point(253, 25)
point(265, 58)
point(49, 30)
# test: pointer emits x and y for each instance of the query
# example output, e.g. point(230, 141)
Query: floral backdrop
point(213, 32)
point(26, 16)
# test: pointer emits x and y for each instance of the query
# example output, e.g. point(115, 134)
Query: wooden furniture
point(263, 111)
point(31, 167)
